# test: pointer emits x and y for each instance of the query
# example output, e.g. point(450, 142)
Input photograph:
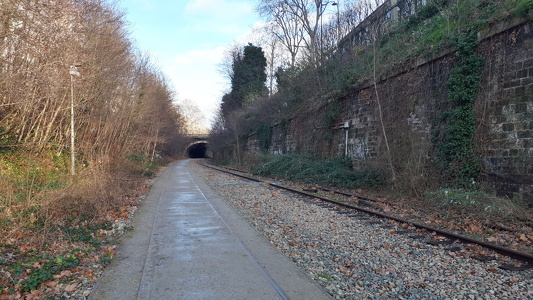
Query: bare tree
point(40, 40)
point(193, 116)
point(374, 33)
point(274, 50)
point(299, 21)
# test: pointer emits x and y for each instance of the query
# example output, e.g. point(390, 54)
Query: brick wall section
point(508, 90)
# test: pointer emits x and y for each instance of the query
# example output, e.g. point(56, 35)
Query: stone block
point(528, 199)
point(511, 83)
point(525, 134)
point(522, 73)
point(529, 89)
point(509, 76)
point(528, 63)
point(519, 91)
point(508, 127)
point(520, 108)
point(526, 81)
point(524, 118)
point(510, 188)
point(523, 179)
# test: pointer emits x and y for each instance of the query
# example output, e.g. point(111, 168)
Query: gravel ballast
point(357, 258)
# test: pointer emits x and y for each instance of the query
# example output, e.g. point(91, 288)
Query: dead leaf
point(514, 279)
point(71, 287)
point(474, 228)
point(25, 248)
point(492, 239)
point(50, 283)
point(344, 270)
point(523, 238)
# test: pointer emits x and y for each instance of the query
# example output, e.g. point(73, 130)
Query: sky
point(186, 39)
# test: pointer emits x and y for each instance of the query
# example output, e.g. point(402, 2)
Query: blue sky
point(187, 40)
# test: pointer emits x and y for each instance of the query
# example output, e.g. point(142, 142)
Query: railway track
point(371, 213)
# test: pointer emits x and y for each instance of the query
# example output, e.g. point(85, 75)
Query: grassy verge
point(56, 228)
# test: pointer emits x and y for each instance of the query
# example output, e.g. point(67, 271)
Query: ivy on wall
point(455, 150)
point(264, 136)
point(333, 111)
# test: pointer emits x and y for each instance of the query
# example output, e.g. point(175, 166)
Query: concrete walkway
point(187, 243)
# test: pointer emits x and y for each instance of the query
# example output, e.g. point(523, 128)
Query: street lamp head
point(73, 70)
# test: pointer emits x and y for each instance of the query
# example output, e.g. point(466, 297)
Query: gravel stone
point(353, 259)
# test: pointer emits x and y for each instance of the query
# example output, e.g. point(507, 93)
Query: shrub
point(305, 168)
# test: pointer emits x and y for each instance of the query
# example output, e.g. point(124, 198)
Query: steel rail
point(521, 256)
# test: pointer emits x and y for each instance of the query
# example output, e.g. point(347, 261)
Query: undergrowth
point(49, 220)
point(142, 164)
point(475, 202)
point(334, 172)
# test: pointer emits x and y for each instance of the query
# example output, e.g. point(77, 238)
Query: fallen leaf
point(71, 287)
point(523, 238)
point(344, 270)
point(474, 228)
point(50, 283)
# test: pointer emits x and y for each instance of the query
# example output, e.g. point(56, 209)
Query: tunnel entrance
point(197, 150)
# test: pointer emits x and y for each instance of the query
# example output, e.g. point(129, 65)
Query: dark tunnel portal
point(198, 150)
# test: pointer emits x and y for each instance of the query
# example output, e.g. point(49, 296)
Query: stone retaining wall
point(412, 102)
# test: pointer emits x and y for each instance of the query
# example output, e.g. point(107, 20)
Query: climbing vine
point(333, 112)
point(264, 136)
point(456, 146)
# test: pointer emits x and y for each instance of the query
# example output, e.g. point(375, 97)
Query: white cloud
point(200, 56)
point(194, 74)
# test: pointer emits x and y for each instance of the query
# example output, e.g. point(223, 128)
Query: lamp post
point(73, 71)
point(338, 21)
point(323, 9)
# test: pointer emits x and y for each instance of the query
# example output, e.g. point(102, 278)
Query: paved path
point(187, 243)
